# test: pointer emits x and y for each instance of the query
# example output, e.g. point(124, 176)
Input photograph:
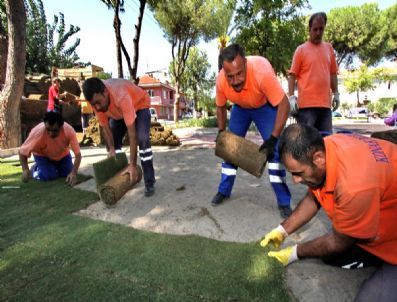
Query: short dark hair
point(52, 117)
point(92, 86)
point(230, 52)
point(56, 80)
point(318, 15)
point(300, 141)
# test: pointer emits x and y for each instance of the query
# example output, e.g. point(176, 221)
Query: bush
point(384, 105)
point(209, 122)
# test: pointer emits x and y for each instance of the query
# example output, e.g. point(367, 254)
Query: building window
point(164, 94)
point(150, 92)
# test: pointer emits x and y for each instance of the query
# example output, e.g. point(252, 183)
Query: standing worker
point(353, 178)
point(314, 69)
point(121, 107)
point(54, 97)
point(251, 84)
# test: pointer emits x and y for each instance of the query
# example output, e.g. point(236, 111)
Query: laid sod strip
point(108, 167)
point(49, 254)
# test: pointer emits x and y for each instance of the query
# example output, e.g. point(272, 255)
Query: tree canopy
point(272, 29)
point(185, 23)
point(363, 31)
point(47, 43)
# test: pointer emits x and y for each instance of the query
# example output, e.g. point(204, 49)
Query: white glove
point(293, 104)
point(335, 101)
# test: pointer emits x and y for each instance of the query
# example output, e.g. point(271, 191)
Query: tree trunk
point(117, 25)
point(138, 28)
point(10, 96)
point(358, 98)
point(3, 54)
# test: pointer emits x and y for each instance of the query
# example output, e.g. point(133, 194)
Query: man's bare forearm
point(221, 115)
point(291, 84)
point(325, 245)
point(282, 116)
point(302, 214)
point(24, 162)
point(76, 163)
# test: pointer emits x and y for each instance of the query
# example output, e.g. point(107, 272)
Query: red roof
point(147, 79)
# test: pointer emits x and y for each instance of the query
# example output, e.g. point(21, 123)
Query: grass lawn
point(49, 254)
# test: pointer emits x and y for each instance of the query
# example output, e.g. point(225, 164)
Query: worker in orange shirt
point(49, 142)
point(86, 109)
point(251, 84)
point(54, 97)
point(121, 106)
point(353, 178)
point(314, 69)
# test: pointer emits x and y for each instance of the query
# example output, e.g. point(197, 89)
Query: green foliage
point(104, 75)
point(42, 50)
point(196, 81)
point(272, 29)
point(3, 17)
point(391, 30)
point(357, 30)
point(209, 122)
point(49, 254)
point(383, 105)
point(360, 81)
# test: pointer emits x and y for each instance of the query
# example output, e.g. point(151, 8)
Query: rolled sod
point(240, 152)
point(389, 135)
point(115, 188)
point(108, 167)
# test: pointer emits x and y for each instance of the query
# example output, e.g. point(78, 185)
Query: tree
point(3, 43)
point(272, 29)
point(196, 81)
point(42, 50)
point(360, 81)
point(184, 23)
point(118, 7)
point(356, 31)
point(10, 96)
point(391, 29)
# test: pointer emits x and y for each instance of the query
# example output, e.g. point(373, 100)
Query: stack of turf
point(92, 136)
point(162, 137)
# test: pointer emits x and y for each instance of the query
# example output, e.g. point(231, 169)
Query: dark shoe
point(149, 191)
point(285, 211)
point(218, 199)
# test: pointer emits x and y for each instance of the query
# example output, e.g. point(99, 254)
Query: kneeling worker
point(49, 142)
point(353, 178)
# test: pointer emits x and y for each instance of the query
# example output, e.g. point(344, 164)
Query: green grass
point(49, 254)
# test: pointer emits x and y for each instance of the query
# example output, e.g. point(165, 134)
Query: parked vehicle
point(358, 113)
point(153, 114)
point(336, 114)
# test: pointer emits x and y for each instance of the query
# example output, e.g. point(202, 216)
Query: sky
point(97, 38)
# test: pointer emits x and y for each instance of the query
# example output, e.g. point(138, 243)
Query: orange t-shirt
point(360, 191)
point(313, 66)
point(261, 86)
point(125, 99)
point(40, 143)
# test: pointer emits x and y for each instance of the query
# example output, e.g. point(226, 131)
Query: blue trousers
point(47, 169)
point(142, 124)
point(264, 118)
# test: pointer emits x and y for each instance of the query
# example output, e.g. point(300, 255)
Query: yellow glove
point(285, 256)
point(276, 236)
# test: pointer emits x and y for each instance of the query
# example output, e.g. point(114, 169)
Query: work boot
point(149, 190)
point(218, 199)
point(285, 211)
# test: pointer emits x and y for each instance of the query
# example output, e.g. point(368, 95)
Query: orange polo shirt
point(40, 143)
point(313, 65)
point(360, 191)
point(261, 86)
point(125, 99)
